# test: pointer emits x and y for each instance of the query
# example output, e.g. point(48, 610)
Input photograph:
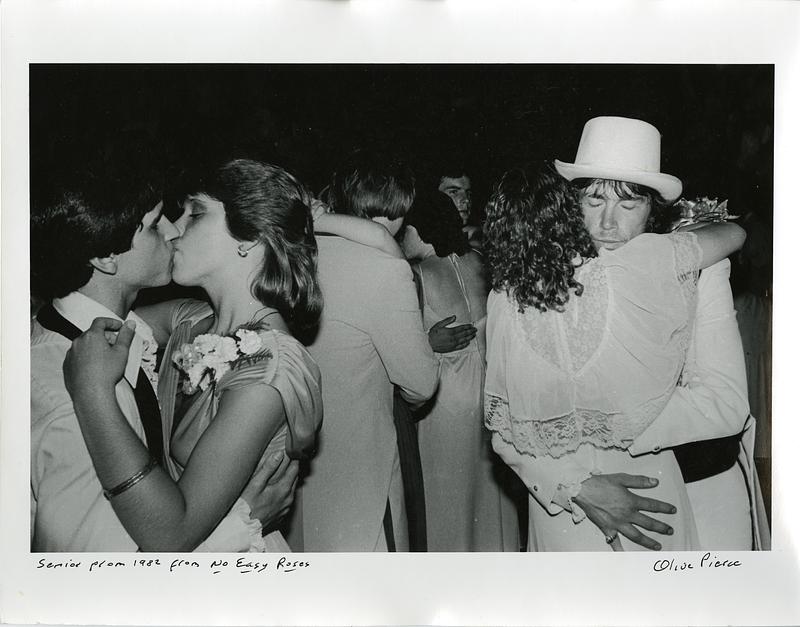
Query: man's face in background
point(460, 190)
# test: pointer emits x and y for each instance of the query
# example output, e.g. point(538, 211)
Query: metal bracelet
point(132, 480)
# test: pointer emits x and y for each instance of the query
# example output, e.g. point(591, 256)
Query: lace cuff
point(565, 493)
point(565, 434)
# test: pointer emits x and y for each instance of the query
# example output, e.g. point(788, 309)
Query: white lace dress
point(578, 386)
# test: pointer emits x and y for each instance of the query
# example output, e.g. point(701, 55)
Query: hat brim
point(670, 187)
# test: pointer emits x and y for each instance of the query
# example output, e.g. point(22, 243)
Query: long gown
point(578, 386)
point(287, 367)
point(467, 504)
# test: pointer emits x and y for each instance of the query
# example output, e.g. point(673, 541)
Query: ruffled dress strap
point(285, 365)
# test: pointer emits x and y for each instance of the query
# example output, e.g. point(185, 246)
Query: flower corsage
point(206, 360)
point(701, 210)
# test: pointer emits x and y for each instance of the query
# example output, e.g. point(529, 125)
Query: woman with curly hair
point(584, 350)
point(466, 506)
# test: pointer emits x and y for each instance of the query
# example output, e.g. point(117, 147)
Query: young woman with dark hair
point(585, 349)
point(467, 507)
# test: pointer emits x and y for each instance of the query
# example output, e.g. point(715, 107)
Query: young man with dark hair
point(455, 183)
point(373, 186)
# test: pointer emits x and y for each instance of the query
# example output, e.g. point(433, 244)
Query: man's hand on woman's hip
point(614, 509)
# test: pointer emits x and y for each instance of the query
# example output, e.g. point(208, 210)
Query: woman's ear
point(106, 265)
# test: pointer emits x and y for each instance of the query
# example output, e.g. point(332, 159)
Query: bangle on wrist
point(132, 480)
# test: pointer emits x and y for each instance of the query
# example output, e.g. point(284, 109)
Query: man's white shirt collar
point(81, 311)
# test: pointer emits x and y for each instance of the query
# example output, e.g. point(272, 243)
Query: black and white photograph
point(503, 316)
point(472, 361)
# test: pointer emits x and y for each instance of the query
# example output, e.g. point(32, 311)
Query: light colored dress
point(578, 386)
point(467, 507)
point(287, 367)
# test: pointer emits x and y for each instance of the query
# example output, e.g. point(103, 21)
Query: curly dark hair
point(437, 221)
point(534, 233)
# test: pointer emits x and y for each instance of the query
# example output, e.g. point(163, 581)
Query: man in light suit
point(370, 340)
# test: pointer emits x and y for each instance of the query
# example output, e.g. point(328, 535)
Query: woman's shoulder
point(500, 303)
point(269, 357)
point(473, 258)
point(280, 361)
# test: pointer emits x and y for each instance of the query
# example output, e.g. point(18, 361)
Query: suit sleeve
point(398, 335)
point(711, 401)
point(67, 503)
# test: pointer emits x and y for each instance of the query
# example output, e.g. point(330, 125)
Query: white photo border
point(348, 589)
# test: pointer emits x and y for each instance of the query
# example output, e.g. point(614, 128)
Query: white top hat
point(621, 149)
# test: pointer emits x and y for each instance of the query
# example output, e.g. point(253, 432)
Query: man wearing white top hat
point(706, 423)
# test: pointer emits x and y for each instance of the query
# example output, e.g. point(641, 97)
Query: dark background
point(716, 121)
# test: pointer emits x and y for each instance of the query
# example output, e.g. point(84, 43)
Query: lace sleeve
point(687, 256)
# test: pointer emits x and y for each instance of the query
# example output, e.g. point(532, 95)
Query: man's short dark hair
point(371, 185)
point(450, 170)
point(95, 217)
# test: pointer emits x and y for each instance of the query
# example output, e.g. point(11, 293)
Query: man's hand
point(444, 339)
point(97, 359)
point(270, 492)
point(611, 506)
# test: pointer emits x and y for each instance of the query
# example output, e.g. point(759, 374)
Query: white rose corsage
point(701, 210)
point(206, 360)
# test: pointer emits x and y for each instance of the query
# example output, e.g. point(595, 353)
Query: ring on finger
point(611, 537)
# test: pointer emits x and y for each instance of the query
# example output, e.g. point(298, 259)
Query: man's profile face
point(611, 220)
point(148, 263)
point(460, 190)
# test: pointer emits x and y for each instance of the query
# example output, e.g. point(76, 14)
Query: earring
point(242, 251)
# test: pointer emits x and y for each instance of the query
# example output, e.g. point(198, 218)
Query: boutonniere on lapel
point(206, 360)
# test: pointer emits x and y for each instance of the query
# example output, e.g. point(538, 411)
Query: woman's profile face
point(205, 248)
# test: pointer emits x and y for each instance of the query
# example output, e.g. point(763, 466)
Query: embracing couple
point(203, 453)
point(615, 383)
